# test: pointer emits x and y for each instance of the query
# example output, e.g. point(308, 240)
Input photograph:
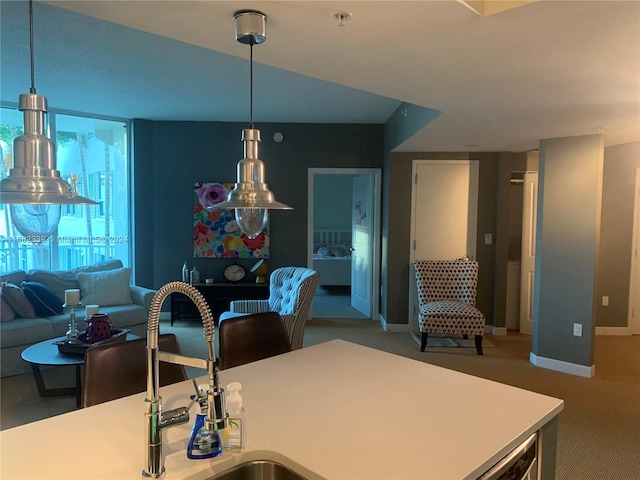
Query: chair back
point(291, 291)
point(442, 280)
point(119, 369)
point(252, 337)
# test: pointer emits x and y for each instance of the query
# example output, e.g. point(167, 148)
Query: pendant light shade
point(250, 198)
point(34, 187)
point(34, 178)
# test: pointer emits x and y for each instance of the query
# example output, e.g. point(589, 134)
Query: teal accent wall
point(170, 157)
point(332, 201)
point(405, 122)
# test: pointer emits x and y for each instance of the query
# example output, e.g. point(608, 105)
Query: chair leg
point(479, 344)
point(423, 344)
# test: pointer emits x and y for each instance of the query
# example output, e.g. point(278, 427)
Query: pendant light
point(34, 188)
point(251, 199)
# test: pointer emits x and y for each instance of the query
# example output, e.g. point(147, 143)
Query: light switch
point(488, 239)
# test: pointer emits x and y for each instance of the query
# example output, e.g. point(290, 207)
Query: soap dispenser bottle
point(235, 432)
point(203, 443)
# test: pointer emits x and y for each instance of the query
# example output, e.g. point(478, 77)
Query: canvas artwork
point(216, 233)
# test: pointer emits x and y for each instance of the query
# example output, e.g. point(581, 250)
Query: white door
point(362, 242)
point(443, 215)
point(527, 264)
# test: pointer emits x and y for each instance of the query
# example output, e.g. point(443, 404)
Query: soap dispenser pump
point(203, 443)
point(235, 431)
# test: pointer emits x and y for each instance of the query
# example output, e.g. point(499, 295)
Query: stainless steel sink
point(258, 470)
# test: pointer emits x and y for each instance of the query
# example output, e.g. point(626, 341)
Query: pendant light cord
point(33, 81)
point(251, 84)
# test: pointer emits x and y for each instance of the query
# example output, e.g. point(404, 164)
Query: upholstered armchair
point(447, 297)
point(291, 291)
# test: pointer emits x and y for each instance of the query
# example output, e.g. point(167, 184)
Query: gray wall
point(612, 275)
point(171, 156)
point(567, 247)
point(397, 224)
point(620, 164)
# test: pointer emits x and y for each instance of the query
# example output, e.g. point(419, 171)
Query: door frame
point(633, 321)
point(376, 204)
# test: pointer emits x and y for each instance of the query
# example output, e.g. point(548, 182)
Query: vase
point(98, 327)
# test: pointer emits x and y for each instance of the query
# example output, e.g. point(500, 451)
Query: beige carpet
point(598, 432)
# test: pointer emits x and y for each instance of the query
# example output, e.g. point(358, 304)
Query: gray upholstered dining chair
point(447, 298)
point(291, 291)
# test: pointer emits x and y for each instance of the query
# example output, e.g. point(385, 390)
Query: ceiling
point(501, 81)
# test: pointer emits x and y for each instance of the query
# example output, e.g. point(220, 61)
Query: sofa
point(107, 284)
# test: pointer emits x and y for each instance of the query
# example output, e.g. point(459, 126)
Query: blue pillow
point(44, 301)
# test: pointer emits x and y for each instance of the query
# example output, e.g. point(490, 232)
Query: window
point(95, 150)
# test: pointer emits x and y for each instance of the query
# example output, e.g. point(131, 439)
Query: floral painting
point(215, 231)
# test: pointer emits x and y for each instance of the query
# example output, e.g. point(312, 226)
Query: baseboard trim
point(561, 366)
point(497, 331)
point(613, 331)
point(393, 327)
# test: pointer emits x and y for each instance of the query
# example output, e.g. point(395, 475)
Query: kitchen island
point(335, 411)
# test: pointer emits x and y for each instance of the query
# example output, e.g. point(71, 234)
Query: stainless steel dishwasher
point(520, 464)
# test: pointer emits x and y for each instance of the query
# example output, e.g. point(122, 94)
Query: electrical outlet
point(488, 239)
point(605, 301)
point(577, 329)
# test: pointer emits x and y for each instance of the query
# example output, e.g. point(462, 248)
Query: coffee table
point(47, 353)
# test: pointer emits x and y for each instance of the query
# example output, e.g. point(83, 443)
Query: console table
point(218, 296)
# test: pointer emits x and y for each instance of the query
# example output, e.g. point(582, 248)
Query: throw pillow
point(60, 280)
point(17, 300)
point(6, 312)
point(45, 302)
point(109, 287)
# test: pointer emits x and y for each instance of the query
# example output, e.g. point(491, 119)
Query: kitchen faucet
point(157, 420)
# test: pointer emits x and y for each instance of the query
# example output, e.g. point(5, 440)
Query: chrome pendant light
point(34, 187)
point(251, 199)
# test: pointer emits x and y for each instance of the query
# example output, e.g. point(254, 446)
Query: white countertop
point(335, 411)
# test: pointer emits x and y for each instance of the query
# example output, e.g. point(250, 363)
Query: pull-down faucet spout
point(156, 421)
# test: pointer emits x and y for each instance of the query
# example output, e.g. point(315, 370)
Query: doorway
point(528, 251)
point(343, 241)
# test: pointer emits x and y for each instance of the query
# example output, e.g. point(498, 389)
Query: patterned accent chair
point(447, 297)
point(291, 291)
